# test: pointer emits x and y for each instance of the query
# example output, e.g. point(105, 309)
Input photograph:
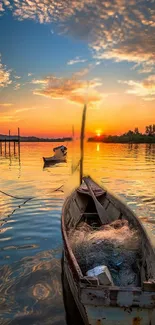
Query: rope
point(28, 198)
point(25, 201)
point(16, 197)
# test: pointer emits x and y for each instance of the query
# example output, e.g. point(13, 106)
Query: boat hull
point(97, 304)
point(95, 313)
point(51, 160)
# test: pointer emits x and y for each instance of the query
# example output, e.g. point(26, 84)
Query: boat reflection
point(73, 316)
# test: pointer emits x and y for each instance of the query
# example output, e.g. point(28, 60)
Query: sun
point(98, 133)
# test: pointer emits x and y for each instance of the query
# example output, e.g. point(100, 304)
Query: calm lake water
point(30, 234)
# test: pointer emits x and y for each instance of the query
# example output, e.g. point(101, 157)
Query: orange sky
point(57, 61)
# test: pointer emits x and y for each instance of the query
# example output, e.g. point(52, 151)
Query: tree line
point(129, 137)
point(149, 130)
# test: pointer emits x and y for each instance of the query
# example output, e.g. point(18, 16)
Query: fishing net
point(115, 245)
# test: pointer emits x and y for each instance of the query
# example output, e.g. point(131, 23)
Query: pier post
point(19, 143)
point(14, 147)
point(1, 147)
point(5, 146)
point(9, 142)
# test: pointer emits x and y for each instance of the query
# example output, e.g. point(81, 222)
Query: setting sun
point(98, 133)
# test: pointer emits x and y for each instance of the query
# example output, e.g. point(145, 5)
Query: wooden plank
point(123, 298)
point(105, 202)
point(100, 209)
point(112, 212)
point(149, 286)
point(74, 212)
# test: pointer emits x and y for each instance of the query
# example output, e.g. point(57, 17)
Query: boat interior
point(80, 208)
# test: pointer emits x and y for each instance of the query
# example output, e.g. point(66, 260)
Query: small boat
point(59, 156)
point(100, 304)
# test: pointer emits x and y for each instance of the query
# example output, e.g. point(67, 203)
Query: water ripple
point(30, 234)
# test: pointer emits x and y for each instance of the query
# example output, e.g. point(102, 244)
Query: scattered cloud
point(4, 75)
point(144, 88)
point(76, 60)
point(17, 77)
point(81, 73)
point(9, 118)
point(39, 81)
point(30, 74)
point(118, 29)
point(73, 89)
point(21, 110)
point(6, 104)
point(149, 99)
point(17, 86)
point(1, 7)
point(98, 63)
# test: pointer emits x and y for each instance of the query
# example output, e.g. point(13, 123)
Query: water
point(30, 234)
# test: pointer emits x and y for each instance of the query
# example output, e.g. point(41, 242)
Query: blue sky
point(53, 51)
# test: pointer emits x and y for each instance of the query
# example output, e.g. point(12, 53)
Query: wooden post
point(19, 143)
point(9, 142)
point(14, 147)
point(1, 147)
point(5, 146)
point(18, 134)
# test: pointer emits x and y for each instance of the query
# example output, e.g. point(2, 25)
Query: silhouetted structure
point(4, 140)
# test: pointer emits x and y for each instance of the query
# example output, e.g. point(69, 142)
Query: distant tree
point(149, 129)
point(136, 131)
point(129, 133)
point(153, 128)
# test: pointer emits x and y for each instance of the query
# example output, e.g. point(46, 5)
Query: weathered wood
point(82, 142)
point(129, 304)
point(100, 209)
point(149, 286)
point(102, 296)
point(112, 212)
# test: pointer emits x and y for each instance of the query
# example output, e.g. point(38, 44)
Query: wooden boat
point(59, 156)
point(99, 304)
point(54, 160)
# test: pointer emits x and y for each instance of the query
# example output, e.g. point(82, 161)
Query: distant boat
point(100, 303)
point(59, 156)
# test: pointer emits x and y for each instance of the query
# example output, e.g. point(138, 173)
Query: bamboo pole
point(82, 142)
point(9, 142)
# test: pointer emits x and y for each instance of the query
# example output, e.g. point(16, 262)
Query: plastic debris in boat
point(103, 275)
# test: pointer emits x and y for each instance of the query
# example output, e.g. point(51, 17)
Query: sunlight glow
point(98, 133)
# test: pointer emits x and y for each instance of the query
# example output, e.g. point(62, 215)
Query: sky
point(56, 55)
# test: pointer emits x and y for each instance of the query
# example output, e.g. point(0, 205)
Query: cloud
point(39, 82)
point(120, 30)
point(20, 110)
point(6, 104)
point(149, 99)
point(9, 118)
point(76, 60)
point(4, 75)
point(73, 89)
point(1, 7)
point(17, 86)
point(30, 74)
point(144, 88)
point(17, 77)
